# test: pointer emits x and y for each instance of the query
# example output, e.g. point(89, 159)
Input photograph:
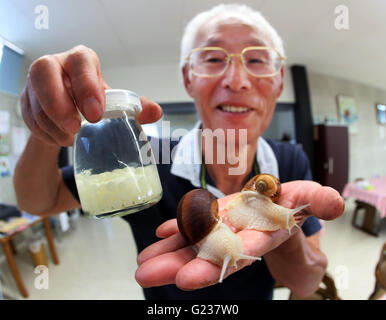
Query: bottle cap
point(125, 100)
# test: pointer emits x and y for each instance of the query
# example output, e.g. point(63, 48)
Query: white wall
point(367, 148)
point(163, 83)
point(9, 103)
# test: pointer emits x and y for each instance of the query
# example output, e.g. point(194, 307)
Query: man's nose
point(236, 77)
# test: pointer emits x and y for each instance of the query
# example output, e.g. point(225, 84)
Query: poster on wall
point(348, 113)
point(19, 140)
point(4, 122)
point(5, 168)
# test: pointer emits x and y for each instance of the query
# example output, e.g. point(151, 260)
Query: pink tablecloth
point(375, 197)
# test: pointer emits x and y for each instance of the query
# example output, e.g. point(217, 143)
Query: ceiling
point(142, 32)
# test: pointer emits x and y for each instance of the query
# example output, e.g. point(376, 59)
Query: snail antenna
point(227, 258)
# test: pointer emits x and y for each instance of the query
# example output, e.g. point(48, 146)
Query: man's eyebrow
point(257, 43)
point(215, 42)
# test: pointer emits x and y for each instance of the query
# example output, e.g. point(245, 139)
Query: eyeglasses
point(261, 62)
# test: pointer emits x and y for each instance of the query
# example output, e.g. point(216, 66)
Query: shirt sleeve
point(311, 226)
point(69, 180)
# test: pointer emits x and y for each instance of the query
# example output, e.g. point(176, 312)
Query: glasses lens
point(208, 62)
point(262, 62)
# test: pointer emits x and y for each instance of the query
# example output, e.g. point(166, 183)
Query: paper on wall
point(5, 169)
point(19, 139)
point(4, 122)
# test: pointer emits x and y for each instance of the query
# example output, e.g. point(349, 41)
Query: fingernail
point(92, 109)
point(71, 125)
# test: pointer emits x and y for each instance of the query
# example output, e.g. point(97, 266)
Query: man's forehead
point(223, 33)
point(218, 42)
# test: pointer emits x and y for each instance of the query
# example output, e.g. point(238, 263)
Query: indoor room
point(115, 114)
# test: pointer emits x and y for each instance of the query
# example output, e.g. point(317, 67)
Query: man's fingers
point(151, 111)
point(45, 85)
point(167, 229)
point(197, 274)
point(162, 270)
point(200, 273)
point(82, 67)
point(30, 121)
point(326, 203)
point(63, 84)
point(44, 124)
point(222, 202)
point(172, 243)
point(258, 243)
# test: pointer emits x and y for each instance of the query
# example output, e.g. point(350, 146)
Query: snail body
point(254, 207)
point(222, 247)
point(199, 223)
point(251, 210)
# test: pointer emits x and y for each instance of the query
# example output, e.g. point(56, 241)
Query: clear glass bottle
point(114, 166)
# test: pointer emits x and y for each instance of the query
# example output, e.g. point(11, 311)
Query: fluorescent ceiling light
point(10, 45)
point(381, 107)
point(1, 51)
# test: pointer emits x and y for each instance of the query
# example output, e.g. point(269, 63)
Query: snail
point(199, 222)
point(255, 207)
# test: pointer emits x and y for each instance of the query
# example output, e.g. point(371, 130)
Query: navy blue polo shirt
point(253, 282)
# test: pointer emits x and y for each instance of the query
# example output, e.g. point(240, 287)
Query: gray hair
point(221, 12)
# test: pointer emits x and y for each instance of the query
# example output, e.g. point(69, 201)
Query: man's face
point(235, 87)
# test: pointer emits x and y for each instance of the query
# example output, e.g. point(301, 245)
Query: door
point(331, 156)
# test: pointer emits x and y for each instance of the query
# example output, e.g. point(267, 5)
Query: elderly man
point(232, 64)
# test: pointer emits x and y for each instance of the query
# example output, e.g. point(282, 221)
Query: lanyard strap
point(256, 171)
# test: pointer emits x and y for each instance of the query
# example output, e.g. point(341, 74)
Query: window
point(11, 62)
point(1, 51)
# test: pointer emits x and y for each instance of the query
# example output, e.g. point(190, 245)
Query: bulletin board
point(13, 134)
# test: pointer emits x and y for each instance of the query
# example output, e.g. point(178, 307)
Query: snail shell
point(254, 207)
point(199, 223)
point(265, 184)
point(197, 214)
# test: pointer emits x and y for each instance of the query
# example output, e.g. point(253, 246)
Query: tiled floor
point(352, 256)
point(98, 261)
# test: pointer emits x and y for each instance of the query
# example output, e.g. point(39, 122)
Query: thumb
point(151, 111)
point(326, 203)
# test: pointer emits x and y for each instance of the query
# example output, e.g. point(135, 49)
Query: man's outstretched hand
point(61, 85)
point(172, 261)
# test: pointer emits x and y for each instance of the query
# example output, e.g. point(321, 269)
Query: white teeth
point(234, 109)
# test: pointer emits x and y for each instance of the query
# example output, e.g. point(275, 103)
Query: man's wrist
point(39, 144)
point(290, 245)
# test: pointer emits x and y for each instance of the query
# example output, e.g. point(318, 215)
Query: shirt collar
point(187, 159)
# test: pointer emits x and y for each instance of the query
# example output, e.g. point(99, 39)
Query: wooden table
point(368, 200)
point(9, 251)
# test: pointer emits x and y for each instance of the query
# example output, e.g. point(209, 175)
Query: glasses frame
point(229, 58)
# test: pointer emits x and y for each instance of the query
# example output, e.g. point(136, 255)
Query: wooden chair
point(369, 224)
point(380, 276)
point(9, 250)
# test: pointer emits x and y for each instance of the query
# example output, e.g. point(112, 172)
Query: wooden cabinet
point(331, 156)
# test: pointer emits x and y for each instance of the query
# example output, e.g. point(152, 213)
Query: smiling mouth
point(234, 109)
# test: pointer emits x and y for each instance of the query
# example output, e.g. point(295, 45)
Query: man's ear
point(281, 85)
point(282, 80)
point(187, 81)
